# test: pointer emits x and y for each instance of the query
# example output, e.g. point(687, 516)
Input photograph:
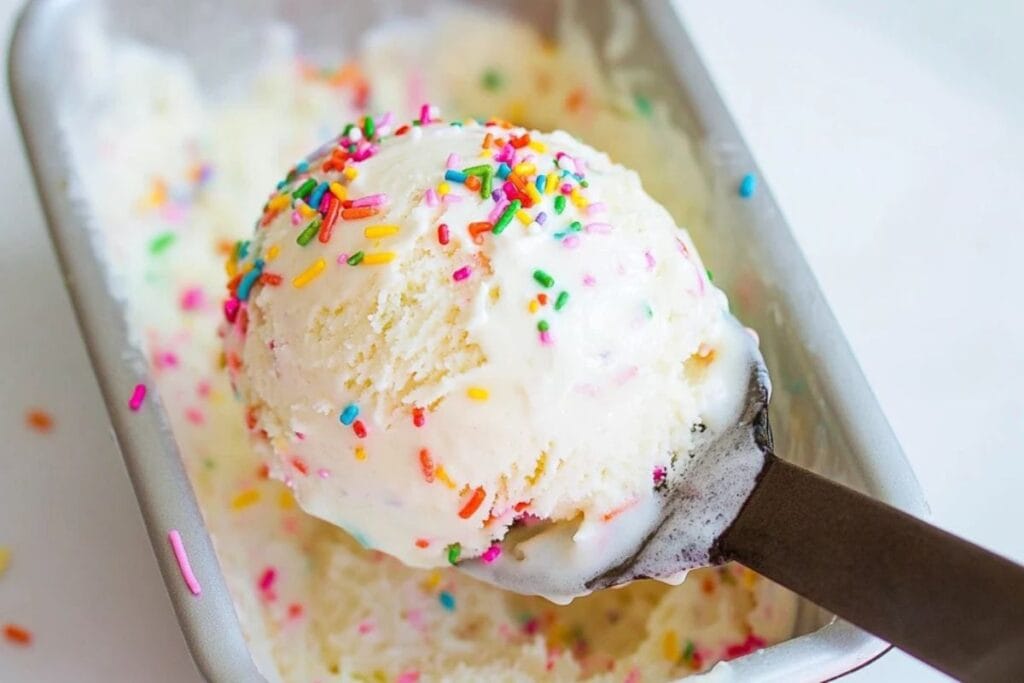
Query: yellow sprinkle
point(524, 169)
point(5, 559)
point(551, 183)
point(245, 499)
point(273, 252)
point(285, 500)
point(350, 172)
point(305, 209)
point(524, 217)
point(531, 191)
point(670, 645)
point(309, 274)
point(538, 470)
point(432, 581)
point(360, 453)
point(376, 231)
point(443, 189)
point(378, 258)
point(441, 474)
point(230, 267)
point(749, 578)
point(338, 190)
point(533, 306)
point(279, 202)
point(578, 199)
point(478, 393)
point(538, 146)
point(486, 153)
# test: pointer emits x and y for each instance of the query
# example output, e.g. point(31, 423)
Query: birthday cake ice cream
point(440, 328)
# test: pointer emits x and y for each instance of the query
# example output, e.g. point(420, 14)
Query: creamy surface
point(172, 176)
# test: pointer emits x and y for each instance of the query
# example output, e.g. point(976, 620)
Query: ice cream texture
point(442, 327)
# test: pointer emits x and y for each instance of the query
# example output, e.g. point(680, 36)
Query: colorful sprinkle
point(137, 397)
point(462, 273)
point(559, 204)
point(378, 258)
point(478, 393)
point(17, 635)
point(447, 600)
point(443, 235)
point(360, 453)
point(454, 552)
point(181, 556)
point(245, 499)
point(310, 274)
point(543, 279)
point(426, 465)
point(506, 216)
point(561, 300)
point(161, 242)
point(310, 231)
point(39, 421)
point(491, 554)
point(304, 189)
point(5, 559)
point(359, 428)
point(473, 504)
point(379, 231)
point(748, 185)
point(355, 259)
point(455, 176)
point(349, 414)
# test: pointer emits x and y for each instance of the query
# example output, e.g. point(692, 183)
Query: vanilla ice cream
point(441, 328)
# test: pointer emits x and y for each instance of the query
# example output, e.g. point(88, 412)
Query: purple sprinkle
point(541, 218)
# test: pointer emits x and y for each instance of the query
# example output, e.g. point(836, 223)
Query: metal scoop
point(943, 600)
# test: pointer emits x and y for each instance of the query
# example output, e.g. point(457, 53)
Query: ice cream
point(191, 169)
point(442, 328)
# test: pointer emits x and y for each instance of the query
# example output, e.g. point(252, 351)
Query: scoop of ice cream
point(444, 328)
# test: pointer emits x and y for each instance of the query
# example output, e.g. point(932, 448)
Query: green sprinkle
point(355, 259)
point(560, 204)
point(584, 184)
point(347, 129)
point(506, 217)
point(643, 105)
point(479, 169)
point(688, 651)
point(305, 188)
point(575, 226)
point(486, 183)
point(369, 127)
point(352, 148)
point(161, 242)
point(711, 276)
point(543, 326)
point(454, 550)
point(543, 279)
point(306, 235)
point(561, 300)
point(648, 311)
point(492, 79)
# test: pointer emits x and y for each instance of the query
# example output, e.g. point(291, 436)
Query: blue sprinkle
point(281, 184)
point(455, 176)
point(243, 249)
point(447, 600)
point(361, 540)
point(539, 184)
point(504, 170)
point(318, 194)
point(349, 414)
point(245, 285)
point(747, 186)
point(302, 166)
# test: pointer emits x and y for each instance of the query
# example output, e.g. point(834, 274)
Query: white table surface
point(892, 135)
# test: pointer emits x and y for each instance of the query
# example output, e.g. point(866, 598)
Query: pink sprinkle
point(267, 580)
point(342, 258)
point(545, 338)
point(451, 198)
point(571, 242)
point(660, 472)
point(296, 218)
point(511, 191)
point(566, 188)
point(365, 627)
point(203, 388)
point(415, 617)
point(231, 307)
point(182, 557)
point(138, 396)
point(431, 197)
point(596, 207)
point(192, 299)
point(323, 473)
point(627, 374)
point(633, 676)
point(598, 228)
point(650, 260)
point(453, 161)
point(195, 416)
point(581, 167)
point(589, 280)
point(408, 677)
point(325, 203)
point(167, 359)
point(682, 248)
point(425, 114)
point(462, 273)
point(385, 119)
point(491, 554)
point(498, 209)
point(369, 200)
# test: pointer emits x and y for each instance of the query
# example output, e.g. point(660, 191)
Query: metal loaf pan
point(824, 414)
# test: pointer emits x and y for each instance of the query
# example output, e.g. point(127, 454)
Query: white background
point(892, 135)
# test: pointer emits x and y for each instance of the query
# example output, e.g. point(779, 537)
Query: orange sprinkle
point(477, 228)
point(17, 635)
point(521, 505)
point(358, 212)
point(707, 585)
point(576, 99)
point(272, 279)
point(360, 453)
point(300, 464)
point(542, 299)
point(422, 543)
point(488, 139)
point(473, 183)
point(426, 465)
point(473, 504)
point(39, 421)
point(263, 472)
point(609, 516)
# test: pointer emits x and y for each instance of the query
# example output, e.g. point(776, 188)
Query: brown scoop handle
point(943, 600)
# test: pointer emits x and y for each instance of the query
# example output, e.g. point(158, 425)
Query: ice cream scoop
point(948, 602)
